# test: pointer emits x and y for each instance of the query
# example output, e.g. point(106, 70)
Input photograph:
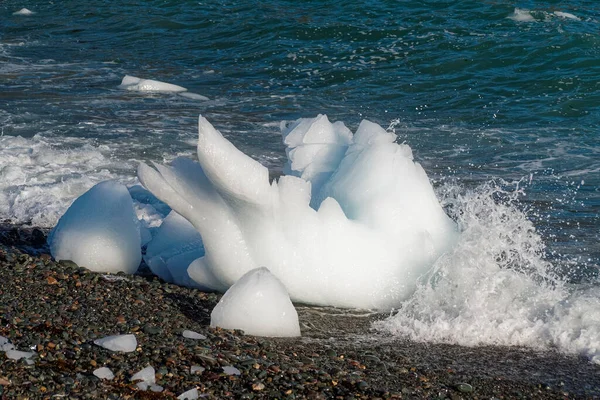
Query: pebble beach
point(57, 311)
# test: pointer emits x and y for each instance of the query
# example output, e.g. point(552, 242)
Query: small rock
point(258, 386)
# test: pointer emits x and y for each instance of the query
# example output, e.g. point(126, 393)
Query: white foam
point(99, 231)
point(258, 304)
point(39, 180)
point(374, 228)
point(24, 11)
point(496, 288)
point(123, 343)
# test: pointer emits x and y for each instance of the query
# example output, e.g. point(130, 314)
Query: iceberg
point(354, 223)
point(100, 231)
point(258, 304)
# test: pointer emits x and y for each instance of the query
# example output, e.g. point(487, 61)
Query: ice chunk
point(148, 85)
point(196, 368)
point(124, 343)
point(566, 15)
point(104, 373)
point(355, 225)
point(17, 355)
point(176, 244)
point(193, 335)
point(147, 378)
point(100, 231)
point(191, 394)
point(229, 370)
point(521, 15)
point(193, 96)
point(259, 305)
point(23, 11)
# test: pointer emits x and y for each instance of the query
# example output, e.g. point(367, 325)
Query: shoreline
point(59, 309)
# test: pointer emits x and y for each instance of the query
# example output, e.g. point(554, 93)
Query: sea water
point(500, 103)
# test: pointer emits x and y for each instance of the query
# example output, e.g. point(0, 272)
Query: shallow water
point(482, 91)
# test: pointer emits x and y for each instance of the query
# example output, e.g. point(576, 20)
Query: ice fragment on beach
point(191, 394)
point(355, 225)
point(196, 368)
point(193, 335)
point(100, 231)
point(229, 370)
point(17, 355)
point(147, 378)
point(258, 304)
point(24, 11)
point(104, 373)
point(124, 343)
point(175, 245)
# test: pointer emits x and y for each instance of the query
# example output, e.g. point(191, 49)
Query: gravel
point(58, 310)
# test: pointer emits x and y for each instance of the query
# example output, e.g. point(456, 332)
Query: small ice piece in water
point(104, 373)
point(230, 370)
point(124, 343)
point(191, 394)
point(100, 231)
point(23, 11)
point(148, 85)
point(193, 335)
point(258, 304)
point(566, 15)
point(193, 96)
point(17, 355)
point(196, 368)
point(521, 15)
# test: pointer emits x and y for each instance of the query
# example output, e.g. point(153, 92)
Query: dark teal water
point(478, 95)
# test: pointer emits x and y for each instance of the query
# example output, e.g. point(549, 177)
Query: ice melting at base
point(100, 231)
point(259, 305)
point(353, 224)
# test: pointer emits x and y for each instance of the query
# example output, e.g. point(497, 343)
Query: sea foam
point(496, 287)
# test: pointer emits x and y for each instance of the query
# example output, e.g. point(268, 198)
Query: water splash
point(496, 286)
